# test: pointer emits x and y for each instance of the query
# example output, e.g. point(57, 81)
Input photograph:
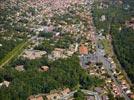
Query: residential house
point(44, 68)
point(130, 23)
point(103, 18)
point(6, 83)
point(83, 50)
point(65, 91)
point(58, 53)
point(132, 96)
point(0, 45)
point(35, 98)
point(54, 96)
point(20, 68)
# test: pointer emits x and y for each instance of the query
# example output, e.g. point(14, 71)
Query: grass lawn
point(14, 53)
point(107, 46)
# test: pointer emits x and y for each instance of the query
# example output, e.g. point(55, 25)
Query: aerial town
point(53, 50)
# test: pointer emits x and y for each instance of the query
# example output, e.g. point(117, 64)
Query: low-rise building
point(132, 96)
point(35, 98)
point(130, 23)
point(99, 90)
point(6, 83)
point(58, 53)
point(83, 50)
point(58, 95)
point(65, 91)
point(0, 45)
point(20, 68)
point(90, 98)
point(54, 96)
point(103, 18)
point(33, 54)
point(44, 68)
point(105, 97)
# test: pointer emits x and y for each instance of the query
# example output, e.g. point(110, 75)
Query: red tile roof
point(83, 49)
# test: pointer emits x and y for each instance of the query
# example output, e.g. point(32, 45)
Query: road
point(108, 66)
point(86, 92)
point(66, 97)
point(105, 61)
point(95, 94)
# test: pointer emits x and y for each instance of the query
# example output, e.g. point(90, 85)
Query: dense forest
point(124, 48)
point(62, 73)
point(123, 37)
point(123, 40)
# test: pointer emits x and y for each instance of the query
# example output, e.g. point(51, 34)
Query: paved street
point(108, 66)
point(86, 92)
point(95, 94)
point(98, 56)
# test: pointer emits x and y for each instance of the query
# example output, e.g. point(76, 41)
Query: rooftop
point(35, 98)
point(83, 49)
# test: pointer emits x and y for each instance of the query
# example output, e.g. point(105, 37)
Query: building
point(109, 80)
point(35, 98)
point(0, 45)
point(83, 50)
point(130, 23)
point(6, 83)
point(58, 95)
point(105, 97)
point(99, 90)
point(54, 96)
point(90, 98)
point(123, 82)
point(33, 54)
point(132, 96)
point(103, 18)
point(58, 53)
point(65, 91)
point(44, 68)
point(20, 68)
point(85, 60)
